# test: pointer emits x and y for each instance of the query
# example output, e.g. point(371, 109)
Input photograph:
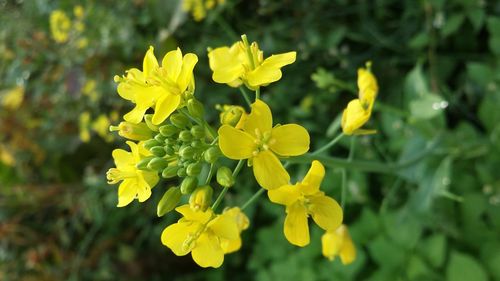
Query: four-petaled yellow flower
point(244, 63)
point(338, 242)
point(200, 233)
point(259, 142)
point(158, 87)
point(304, 199)
point(230, 246)
point(135, 183)
point(359, 110)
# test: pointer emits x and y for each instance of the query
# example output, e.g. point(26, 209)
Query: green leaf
point(464, 267)
point(427, 106)
point(415, 83)
point(452, 24)
point(417, 268)
point(434, 249)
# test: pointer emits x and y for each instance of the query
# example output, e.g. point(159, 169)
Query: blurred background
point(434, 216)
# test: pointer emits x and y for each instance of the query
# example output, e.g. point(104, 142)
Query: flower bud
point(157, 164)
point(212, 154)
point(225, 177)
point(187, 152)
point(149, 123)
point(168, 130)
point(169, 200)
point(170, 172)
point(196, 144)
point(198, 131)
point(143, 163)
point(201, 198)
point(151, 143)
point(195, 108)
point(181, 172)
point(194, 169)
point(158, 151)
point(179, 120)
point(137, 132)
point(160, 138)
point(188, 185)
point(233, 115)
point(185, 136)
point(169, 150)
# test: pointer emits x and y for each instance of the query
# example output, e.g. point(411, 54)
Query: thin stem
point(257, 94)
point(236, 171)
point(344, 188)
point(255, 196)
point(210, 173)
point(328, 145)
point(245, 96)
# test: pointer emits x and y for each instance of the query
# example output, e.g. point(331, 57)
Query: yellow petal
point(235, 144)
point(150, 64)
point(348, 250)
point(289, 140)
point(172, 64)
point(122, 158)
point(270, 70)
point(312, 181)
point(268, 171)
point(135, 115)
point(260, 120)
point(296, 227)
point(186, 74)
point(230, 246)
point(143, 189)
point(225, 65)
point(164, 107)
point(284, 195)
point(176, 234)
point(126, 192)
point(151, 178)
point(326, 212)
point(330, 244)
point(367, 84)
point(224, 226)
point(208, 252)
point(355, 115)
point(197, 216)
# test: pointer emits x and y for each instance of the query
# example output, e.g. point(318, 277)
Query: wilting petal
point(268, 170)
point(289, 140)
point(235, 144)
point(208, 252)
point(175, 236)
point(355, 116)
point(312, 181)
point(296, 227)
point(164, 107)
point(260, 120)
point(326, 212)
point(270, 70)
point(284, 195)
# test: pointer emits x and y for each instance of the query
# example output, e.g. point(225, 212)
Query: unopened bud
point(187, 152)
point(158, 151)
point(143, 163)
point(179, 120)
point(157, 164)
point(233, 115)
point(170, 172)
point(151, 143)
point(195, 108)
point(185, 136)
point(181, 172)
point(194, 169)
point(131, 131)
point(201, 198)
point(188, 185)
point(169, 200)
point(198, 131)
point(212, 154)
point(160, 138)
point(168, 130)
point(148, 119)
point(225, 177)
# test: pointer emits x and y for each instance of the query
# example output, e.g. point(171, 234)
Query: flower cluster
point(63, 29)
point(199, 8)
point(171, 142)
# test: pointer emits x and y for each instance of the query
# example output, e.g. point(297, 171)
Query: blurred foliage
point(433, 214)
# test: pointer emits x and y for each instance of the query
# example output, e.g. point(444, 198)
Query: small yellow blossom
point(6, 156)
point(230, 246)
point(259, 142)
point(199, 8)
point(338, 242)
point(359, 110)
point(84, 124)
point(243, 63)
point(12, 98)
point(78, 11)
point(101, 126)
point(82, 43)
point(304, 199)
point(158, 87)
point(135, 183)
point(200, 233)
point(233, 115)
point(60, 26)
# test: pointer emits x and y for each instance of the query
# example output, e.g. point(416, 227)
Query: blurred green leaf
point(464, 267)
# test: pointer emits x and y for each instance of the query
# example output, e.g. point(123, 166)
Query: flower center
point(114, 175)
point(262, 141)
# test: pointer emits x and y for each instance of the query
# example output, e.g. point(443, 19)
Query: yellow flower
point(259, 142)
point(101, 126)
point(60, 26)
point(138, 132)
point(12, 98)
point(199, 8)
point(233, 115)
point(200, 233)
point(78, 11)
point(7, 156)
point(84, 124)
point(158, 87)
point(230, 246)
point(338, 243)
point(135, 183)
point(359, 110)
point(304, 199)
point(243, 63)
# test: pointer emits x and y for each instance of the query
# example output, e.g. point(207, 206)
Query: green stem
point(344, 174)
point(245, 96)
point(254, 196)
point(236, 171)
point(328, 145)
point(210, 174)
point(257, 94)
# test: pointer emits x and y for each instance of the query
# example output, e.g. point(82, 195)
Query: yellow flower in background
point(12, 98)
point(235, 213)
point(232, 115)
point(60, 26)
point(101, 127)
point(359, 110)
point(304, 199)
point(84, 124)
point(200, 233)
point(78, 11)
point(6, 156)
point(199, 8)
point(158, 87)
point(135, 183)
point(243, 63)
point(260, 143)
point(338, 242)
